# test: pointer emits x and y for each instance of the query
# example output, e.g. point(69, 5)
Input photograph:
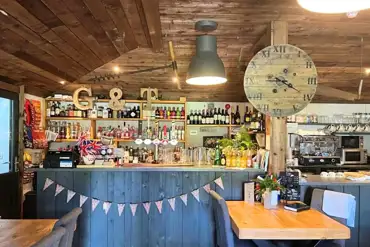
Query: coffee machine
point(314, 150)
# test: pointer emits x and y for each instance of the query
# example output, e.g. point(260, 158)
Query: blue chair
point(225, 236)
point(69, 222)
point(53, 239)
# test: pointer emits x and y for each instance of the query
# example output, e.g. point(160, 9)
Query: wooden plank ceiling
point(45, 41)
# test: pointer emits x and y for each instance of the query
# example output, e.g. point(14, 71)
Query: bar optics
point(334, 6)
point(206, 67)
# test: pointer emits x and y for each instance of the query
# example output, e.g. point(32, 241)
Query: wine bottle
point(232, 116)
point(215, 116)
point(138, 111)
point(223, 116)
point(52, 110)
point(182, 113)
point(203, 117)
point(247, 118)
point(188, 119)
point(227, 117)
point(237, 115)
point(191, 117)
point(57, 109)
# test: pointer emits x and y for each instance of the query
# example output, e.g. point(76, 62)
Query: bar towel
point(340, 205)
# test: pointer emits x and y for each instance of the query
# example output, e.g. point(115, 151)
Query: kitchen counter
point(315, 180)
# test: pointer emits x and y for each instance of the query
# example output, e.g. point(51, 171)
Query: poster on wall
point(34, 136)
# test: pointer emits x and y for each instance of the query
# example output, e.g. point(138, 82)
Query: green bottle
point(217, 161)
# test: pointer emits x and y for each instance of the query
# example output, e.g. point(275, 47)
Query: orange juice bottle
point(233, 159)
point(238, 159)
point(243, 159)
point(228, 158)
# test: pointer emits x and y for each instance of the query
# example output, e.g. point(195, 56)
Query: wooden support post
point(19, 161)
point(277, 33)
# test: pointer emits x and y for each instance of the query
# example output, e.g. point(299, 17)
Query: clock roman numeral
point(295, 107)
point(299, 53)
point(249, 81)
point(279, 48)
point(312, 81)
point(276, 112)
point(253, 65)
point(266, 53)
point(255, 96)
point(264, 107)
point(309, 65)
point(307, 97)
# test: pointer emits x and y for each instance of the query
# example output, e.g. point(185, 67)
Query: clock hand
point(290, 85)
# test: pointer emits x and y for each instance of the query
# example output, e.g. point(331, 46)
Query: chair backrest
point(52, 239)
point(317, 202)
point(222, 220)
point(69, 222)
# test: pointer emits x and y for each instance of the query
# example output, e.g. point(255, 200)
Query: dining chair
point(225, 236)
point(69, 222)
point(317, 202)
point(53, 239)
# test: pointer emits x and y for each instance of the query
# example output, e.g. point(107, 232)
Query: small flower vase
point(270, 199)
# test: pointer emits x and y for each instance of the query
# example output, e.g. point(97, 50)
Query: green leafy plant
point(242, 140)
point(269, 182)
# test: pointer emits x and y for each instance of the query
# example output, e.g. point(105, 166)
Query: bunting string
point(132, 206)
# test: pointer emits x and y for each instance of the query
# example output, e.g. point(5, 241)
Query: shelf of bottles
point(217, 117)
point(167, 120)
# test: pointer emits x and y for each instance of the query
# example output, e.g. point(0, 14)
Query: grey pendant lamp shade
point(206, 67)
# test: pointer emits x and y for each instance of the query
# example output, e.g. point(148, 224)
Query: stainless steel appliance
point(354, 156)
point(351, 141)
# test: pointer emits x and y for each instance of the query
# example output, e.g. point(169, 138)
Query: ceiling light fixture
point(206, 67)
point(334, 6)
point(3, 12)
point(62, 82)
point(367, 71)
point(116, 69)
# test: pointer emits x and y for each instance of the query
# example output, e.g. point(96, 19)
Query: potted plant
point(268, 189)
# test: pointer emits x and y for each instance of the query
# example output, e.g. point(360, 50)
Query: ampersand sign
point(115, 103)
point(89, 99)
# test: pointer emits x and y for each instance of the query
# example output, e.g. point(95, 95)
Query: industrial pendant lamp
point(334, 6)
point(206, 67)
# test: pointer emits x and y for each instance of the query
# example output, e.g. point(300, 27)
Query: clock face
point(280, 80)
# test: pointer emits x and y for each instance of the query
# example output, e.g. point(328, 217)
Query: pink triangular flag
point(58, 189)
point(219, 182)
point(146, 206)
point(159, 206)
point(82, 200)
point(48, 182)
point(184, 199)
point(207, 188)
point(133, 209)
point(70, 195)
point(106, 206)
point(120, 207)
point(94, 204)
point(172, 202)
point(195, 193)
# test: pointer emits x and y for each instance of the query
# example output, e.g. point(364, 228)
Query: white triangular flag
point(219, 182)
point(120, 207)
point(184, 199)
point(70, 195)
point(133, 208)
point(159, 206)
point(207, 188)
point(172, 202)
point(48, 182)
point(195, 193)
point(82, 200)
point(58, 189)
point(94, 204)
point(106, 206)
point(146, 206)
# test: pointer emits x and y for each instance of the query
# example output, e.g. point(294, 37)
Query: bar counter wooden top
point(253, 221)
point(24, 233)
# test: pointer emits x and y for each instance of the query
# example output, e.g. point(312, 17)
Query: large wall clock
point(280, 80)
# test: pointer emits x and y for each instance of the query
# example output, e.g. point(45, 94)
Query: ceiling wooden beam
point(153, 22)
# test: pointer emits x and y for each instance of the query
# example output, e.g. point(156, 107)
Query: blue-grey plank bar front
point(190, 225)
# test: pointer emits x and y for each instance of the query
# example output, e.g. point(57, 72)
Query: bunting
point(133, 206)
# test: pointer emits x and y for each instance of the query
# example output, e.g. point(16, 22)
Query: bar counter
point(359, 189)
point(190, 225)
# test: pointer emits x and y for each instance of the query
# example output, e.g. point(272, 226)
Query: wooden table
point(253, 221)
point(23, 233)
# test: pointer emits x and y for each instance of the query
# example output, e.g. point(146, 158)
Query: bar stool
point(225, 236)
point(52, 239)
point(69, 222)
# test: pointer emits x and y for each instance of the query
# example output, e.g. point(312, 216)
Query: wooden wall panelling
point(151, 11)
point(145, 195)
point(119, 226)
point(45, 199)
point(135, 197)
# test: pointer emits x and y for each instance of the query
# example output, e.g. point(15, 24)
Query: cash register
point(61, 159)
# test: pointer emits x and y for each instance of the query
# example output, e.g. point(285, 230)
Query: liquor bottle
point(199, 117)
point(173, 113)
point(100, 112)
point(247, 118)
point(79, 112)
point(223, 117)
point(75, 111)
point(110, 113)
point(217, 160)
point(165, 113)
point(157, 113)
point(227, 117)
point(57, 109)
point(62, 112)
point(237, 115)
point(48, 109)
point(94, 113)
point(125, 132)
point(161, 113)
point(262, 123)
point(232, 116)
point(219, 116)
point(169, 113)
point(188, 119)
point(152, 113)
point(215, 116)
point(183, 133)
point(68, 131)
point(259, 121)
point(133, 112)
point(105, 113)
point(138, 111)
point(253, 121)
point(70, 111)
point(131, 155)
point(126, 155)
point(178, 113)
point(211, 118)
point(204, 118)
point(182, 114)
point(223, 159)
